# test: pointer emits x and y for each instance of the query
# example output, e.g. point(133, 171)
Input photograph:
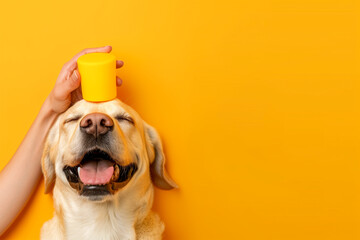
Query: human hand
point(67, 88)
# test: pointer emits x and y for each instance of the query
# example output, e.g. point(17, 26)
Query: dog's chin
point(98, 176)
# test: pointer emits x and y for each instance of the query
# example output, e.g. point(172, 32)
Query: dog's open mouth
point(98, 174)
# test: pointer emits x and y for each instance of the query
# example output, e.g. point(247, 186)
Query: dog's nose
point(96, 124)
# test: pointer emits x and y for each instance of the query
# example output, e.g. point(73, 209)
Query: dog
point(101, 161)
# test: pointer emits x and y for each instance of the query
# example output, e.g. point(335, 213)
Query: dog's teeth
point(115, 176)
point(78, 169)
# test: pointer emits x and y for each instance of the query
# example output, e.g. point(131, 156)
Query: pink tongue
point(96, 172)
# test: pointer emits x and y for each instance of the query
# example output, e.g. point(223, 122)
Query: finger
point(105, 49)
point(73, 82)
point(71, 65)
point(76, 95)
point(63, 89)
point(118, 81)
point(119, 63)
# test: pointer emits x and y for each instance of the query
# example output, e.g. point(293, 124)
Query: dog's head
point(99, 149)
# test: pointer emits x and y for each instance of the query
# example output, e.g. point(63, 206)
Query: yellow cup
point(98, 76)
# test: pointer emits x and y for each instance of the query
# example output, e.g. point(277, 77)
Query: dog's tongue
point(96, 172)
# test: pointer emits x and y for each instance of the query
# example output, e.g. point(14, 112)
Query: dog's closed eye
point(124, 117)
point(72, 119)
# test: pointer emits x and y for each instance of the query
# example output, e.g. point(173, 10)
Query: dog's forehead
point(111, 107)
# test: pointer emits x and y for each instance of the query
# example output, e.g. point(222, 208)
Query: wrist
point(47, 115)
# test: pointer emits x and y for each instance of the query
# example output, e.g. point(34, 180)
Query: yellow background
point(257, 103)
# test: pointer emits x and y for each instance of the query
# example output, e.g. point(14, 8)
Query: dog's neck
point(115, 219)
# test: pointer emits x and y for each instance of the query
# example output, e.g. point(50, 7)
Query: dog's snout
point(96, 124)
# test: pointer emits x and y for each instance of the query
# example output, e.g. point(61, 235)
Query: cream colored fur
point(126, 214)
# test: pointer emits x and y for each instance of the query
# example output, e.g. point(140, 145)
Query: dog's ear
point(48, 170)
point(47, 165)
point(159, 175)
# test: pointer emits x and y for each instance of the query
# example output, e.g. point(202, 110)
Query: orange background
point(257, 102)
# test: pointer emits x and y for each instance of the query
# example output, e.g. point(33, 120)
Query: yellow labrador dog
point(101, 161)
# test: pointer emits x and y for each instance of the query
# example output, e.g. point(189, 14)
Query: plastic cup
point(98, 76)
